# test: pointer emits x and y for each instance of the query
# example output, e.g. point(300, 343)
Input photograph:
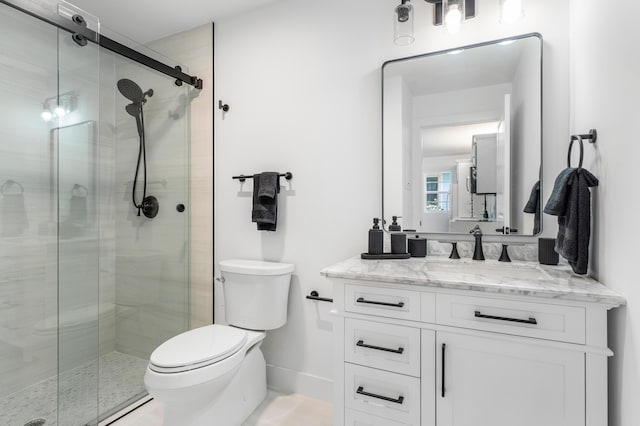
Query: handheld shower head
point(135, 110)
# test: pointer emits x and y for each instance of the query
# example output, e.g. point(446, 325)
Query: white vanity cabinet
point(484, 380)
point(427, 354)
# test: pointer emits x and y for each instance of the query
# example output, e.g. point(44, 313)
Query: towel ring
point(9, 183)
point(592, 136)
point(573, 139)
point(79, 190)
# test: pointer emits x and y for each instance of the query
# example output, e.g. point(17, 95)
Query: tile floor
point(277, 409)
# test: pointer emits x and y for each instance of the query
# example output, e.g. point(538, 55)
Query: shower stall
point(89, 286)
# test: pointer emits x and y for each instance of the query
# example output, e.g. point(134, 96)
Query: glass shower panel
point(28, 243)
point(74, 149)
point(149, 255)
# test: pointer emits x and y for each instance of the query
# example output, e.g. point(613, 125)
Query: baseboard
point(291, 381)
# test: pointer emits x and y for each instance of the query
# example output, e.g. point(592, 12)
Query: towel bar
point(242, 178)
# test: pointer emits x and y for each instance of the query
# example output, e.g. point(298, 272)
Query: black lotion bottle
point(376, 238)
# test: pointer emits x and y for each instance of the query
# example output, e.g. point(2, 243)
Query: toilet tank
point(256, 293)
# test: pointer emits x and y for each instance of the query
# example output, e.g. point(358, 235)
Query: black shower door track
point(37, 11)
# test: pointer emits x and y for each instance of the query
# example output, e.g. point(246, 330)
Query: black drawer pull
point(379, 348)
point(399, 400)
point(374, 302)
point(531, 320)
point(444, 347)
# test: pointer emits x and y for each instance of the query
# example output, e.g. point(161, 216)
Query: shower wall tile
point(195, 48)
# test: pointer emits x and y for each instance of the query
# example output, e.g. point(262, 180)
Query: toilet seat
point(197, 348)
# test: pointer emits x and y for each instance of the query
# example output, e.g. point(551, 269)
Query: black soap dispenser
point(376, 238)
point(398, 238)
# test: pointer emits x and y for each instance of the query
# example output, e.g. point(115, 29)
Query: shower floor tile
point(120, 382)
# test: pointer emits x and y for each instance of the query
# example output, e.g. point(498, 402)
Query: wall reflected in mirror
point(462, 138)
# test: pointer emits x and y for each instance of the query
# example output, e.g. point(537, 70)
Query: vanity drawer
point(539, 320)
point(385, 302)
point(385, 346)
point(380, 393)
point(359, 418)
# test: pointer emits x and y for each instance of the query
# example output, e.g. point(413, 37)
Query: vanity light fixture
point(46, 114)
point(403, 24)
point(63, 104)
point(452, 12)
point(511, 11)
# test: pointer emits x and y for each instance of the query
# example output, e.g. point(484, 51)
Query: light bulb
point(453, 19)
point(46, 115)
point(511, 11)
point(60, 111)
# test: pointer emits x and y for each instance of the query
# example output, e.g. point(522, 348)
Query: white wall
point(302, 79)
point(605, 65)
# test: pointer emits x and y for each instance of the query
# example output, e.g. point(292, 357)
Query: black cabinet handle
point(374, 302)
point(398, 400)
point(531, 320)
point(379, 348)
point(444, 346)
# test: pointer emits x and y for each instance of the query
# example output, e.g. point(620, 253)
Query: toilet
point(217, 374)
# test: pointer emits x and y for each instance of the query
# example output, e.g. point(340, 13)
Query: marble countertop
point(490, 276)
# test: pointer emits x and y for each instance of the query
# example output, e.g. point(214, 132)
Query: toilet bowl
point(217, 374)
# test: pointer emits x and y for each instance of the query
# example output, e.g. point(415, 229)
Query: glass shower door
point(74, 147)
point(144, 260)
point(28, 245)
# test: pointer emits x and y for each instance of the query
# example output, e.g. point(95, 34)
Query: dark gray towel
point(571, 202)
point(265, 207)
point(533, 206)
point(557, 203)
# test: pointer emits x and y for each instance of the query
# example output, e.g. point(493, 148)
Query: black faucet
point(477, 251)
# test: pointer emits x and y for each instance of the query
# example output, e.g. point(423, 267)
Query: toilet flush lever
point(221, 280)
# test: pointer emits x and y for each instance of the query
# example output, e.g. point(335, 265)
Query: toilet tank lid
point(255, 267)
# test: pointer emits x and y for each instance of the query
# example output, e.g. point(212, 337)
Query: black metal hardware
point(506, 230)
point(374, 302)
point(178, 82)
point(531, 320)
point(242, 178)
point(504, 256)
point(150, 206)
point(592, 137)
point(398, 400)
point(79, 19)
point(223, 107)
point(379, 348)
point(79, 39)
point(444, 347)
point(314, 296)
point(478, 254)
point(454, 251)
point(180, 208)
point(40, 10)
